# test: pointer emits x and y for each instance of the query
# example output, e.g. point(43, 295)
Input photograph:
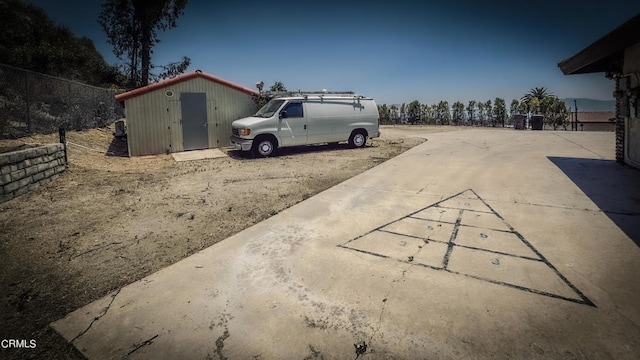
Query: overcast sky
point(395, 51)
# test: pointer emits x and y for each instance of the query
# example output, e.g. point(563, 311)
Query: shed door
point(195, 134)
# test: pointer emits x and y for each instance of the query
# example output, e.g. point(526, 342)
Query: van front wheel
point(263, 147)
point(358, 139)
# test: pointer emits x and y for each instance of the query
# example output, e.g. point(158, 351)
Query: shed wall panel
point(147, 125)
point(214, 128)
point(244, 106)
point(175, 126)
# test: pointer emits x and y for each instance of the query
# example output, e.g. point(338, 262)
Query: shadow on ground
point(118, 147)
point(295, 150)
point(611, 186)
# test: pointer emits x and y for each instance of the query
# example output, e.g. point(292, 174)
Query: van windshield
point(269, 108)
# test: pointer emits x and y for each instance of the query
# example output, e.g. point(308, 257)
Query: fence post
point(72, 115)
point(94, 103)
point(26, 88)
point(63, 141)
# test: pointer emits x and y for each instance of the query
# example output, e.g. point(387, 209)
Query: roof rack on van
point(307, 93)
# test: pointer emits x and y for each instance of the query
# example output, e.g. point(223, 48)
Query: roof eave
point(574, 66)
point(181, 78)
point(602, 55)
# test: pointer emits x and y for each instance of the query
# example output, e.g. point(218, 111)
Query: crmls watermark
point(18, 344)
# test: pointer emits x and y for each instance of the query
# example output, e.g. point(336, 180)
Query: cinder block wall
point(25, 170)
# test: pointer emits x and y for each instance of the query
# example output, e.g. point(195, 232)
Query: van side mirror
point(283, 114)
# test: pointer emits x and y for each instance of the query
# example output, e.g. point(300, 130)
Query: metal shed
point(188, 112)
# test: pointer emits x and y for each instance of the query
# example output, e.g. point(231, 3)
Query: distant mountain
point(590, 105)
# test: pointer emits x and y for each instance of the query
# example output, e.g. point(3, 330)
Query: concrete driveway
point(476, 244)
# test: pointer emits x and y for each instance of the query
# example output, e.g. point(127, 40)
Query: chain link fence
point(32, 103)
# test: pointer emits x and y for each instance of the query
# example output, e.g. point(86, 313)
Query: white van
point(307, 119)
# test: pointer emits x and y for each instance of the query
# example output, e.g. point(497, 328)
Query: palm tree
point(535, 97)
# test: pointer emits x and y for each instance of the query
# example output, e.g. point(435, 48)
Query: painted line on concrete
point(451, 246)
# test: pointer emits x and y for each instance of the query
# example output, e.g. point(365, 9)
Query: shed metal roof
point(181, 78)
point(600, 55)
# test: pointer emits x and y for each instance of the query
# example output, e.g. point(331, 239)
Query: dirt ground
point(111, 220)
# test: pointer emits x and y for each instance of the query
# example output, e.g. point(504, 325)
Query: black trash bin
point(537, 122)
point(519, 122)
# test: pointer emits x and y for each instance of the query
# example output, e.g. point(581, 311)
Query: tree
point(533, 105)
point(413, 112)
point(513, 110)
point(154, 15)
point(499, 112)
point(383, 111)
point(426, 113)
point(480, 112)
point(555, 112)
point(537, 92)
point(277, 86)
point(442, 113)
point(561, 114)
point(523, 108)
point(261, 99)
point(118, 21)
point(131, 27)
point(435, 116)
point(533, 99)
point(458, 112)
point(547, 104)
point(540, 101)
point(488, 112)
point(471, 108)
point(175, 68)
point(394, 114)
point(403, 113)
point(30, 40)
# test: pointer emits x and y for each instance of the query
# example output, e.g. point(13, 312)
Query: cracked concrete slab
point(476, 244)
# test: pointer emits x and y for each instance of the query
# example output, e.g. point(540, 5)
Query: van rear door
point(292, 124)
